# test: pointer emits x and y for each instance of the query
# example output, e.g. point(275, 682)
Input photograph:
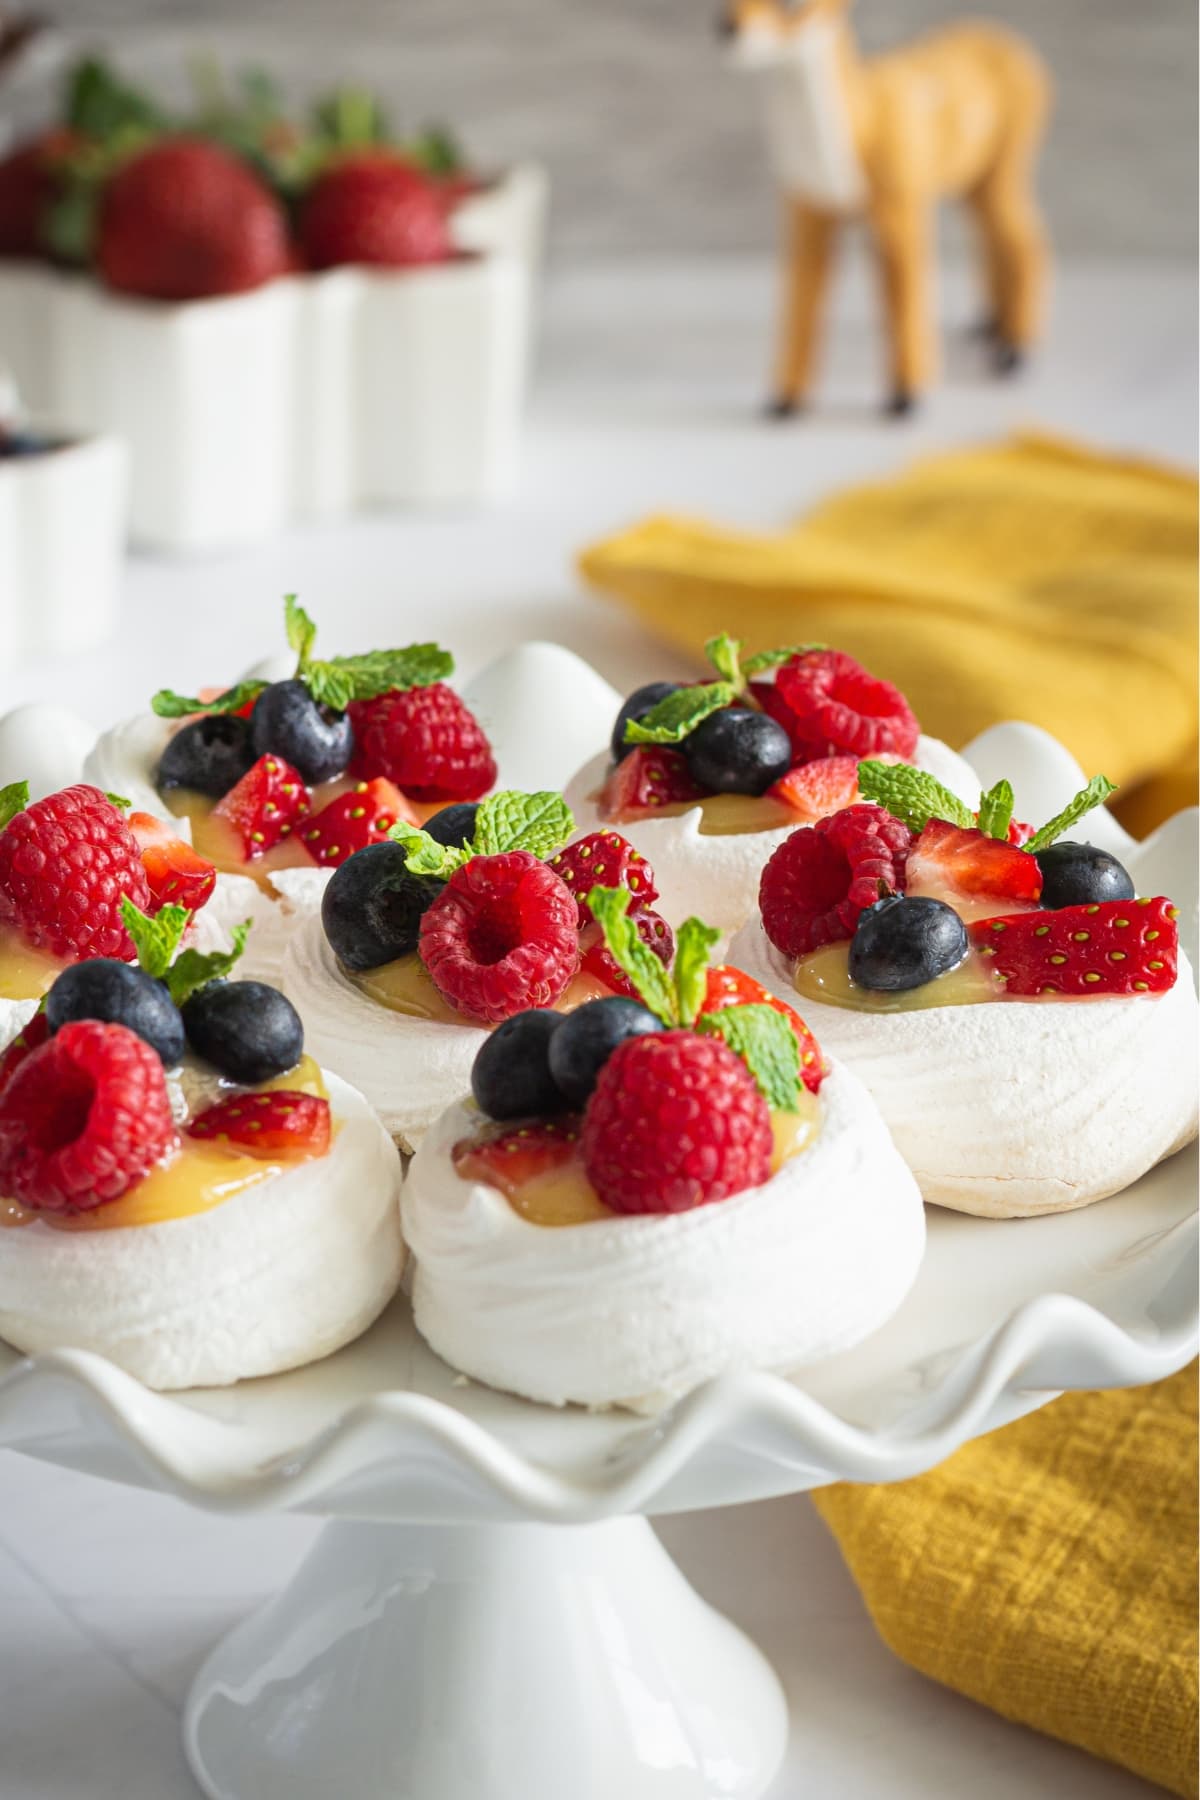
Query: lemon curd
point(405, 986)
point(25, 973)
point(825, 975)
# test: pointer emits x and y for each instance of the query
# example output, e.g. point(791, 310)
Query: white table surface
point(645, 402)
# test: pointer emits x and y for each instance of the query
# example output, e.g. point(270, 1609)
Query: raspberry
point(426, 741)
point(828, 704)
point(822, 877)
point(83, 1119)
point(66, 863)
point(675, 1121)
point(278, 1123)
point(605, 859)
point(596, 959)
point(31, 1037)
point(503, 935)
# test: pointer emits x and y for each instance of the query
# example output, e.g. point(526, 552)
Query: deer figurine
point(960, 113)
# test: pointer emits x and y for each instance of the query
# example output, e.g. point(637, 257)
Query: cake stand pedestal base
point(489, 1662)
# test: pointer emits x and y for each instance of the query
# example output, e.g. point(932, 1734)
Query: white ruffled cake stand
point(488, 1614)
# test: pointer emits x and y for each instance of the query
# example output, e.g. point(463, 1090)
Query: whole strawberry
point(185, 220)
point(66, 863)
point(374, 208)
point(28, 185)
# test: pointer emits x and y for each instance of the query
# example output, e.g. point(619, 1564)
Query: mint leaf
point(673, 718)
point(301, 631)
point(1094, 794)
point(774, 659)
point(692, 945)
point(177, 706)
point(766, 1044)
point(996, 810)
point(341, 679)
point(911, 795)
point(155, 939)
point(196, 968)
point(119, 801)
point(724, 653)
point(13, 799)
point(540, 823)
point(425, 856)
point(610, 909)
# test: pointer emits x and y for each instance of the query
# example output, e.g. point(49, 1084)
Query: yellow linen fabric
point(1032, 579)
point(1049, 1571)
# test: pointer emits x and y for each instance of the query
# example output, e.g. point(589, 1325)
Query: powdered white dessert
point(1014, 1107)
point(634, 1311)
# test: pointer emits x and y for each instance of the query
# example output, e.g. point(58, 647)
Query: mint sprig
point(13, 799)
point(632, 955)
point(766, 1044)
point(911, 795)
point(194, 969)
point(676, 717)
point(996, 810)
point(540, 823)
point(169, 705)
point(762, 660)
point(156, 939)
point(1094, 794)
point(692, 945)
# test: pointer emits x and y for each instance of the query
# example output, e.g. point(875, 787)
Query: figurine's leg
point(808, 255)
point(903, 238)
point(1017, 248)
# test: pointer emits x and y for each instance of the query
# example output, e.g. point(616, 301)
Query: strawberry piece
point(596, 960)
point(646, 780)
point(605, 859)
point(281, 1122)
point(1107, 947)
point(177, 874)
point(375, 208)
point(814, 790)
point(265, 806)
point(363, 816)
point(29, 184)
point(733, 987)
point(829, 704)
point(973, 873)
point(30, 1037)
point(509, 1158)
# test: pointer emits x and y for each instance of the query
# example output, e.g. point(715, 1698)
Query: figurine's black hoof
point(1008, 359)
point(901, 404)
point(779, 406)
point(985, 331)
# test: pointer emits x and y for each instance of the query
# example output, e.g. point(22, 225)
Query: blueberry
point(119, 994)
point(454, 826)
point(904, 941)
point(247, 1030)
point(316, 740)
point(511, 1077)
point(587, 1038)
point(373, 906)
point(210, 755)
point(1079, 875)
point(737, 751)
point(637, 706)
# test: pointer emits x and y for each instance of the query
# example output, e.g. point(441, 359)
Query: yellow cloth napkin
point(1049, 1571)
point(1032, 579)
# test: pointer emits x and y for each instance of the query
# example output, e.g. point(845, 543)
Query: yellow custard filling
point(406, 986)
point(25, 973)
point(825, 975)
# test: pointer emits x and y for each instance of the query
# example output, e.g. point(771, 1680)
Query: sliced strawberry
point(517, 1154)
point(363, 816)
point(266, 805)
point(281, 1122)
point(1107, 947)
point(176, 873)
point(30, 1037)
point(814, 790)
point(605, 859)
point(650, 777)
point(975, 874)
point(733, 987)
point(596, 960)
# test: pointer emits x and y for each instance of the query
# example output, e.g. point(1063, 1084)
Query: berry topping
point(587, 1038)
point(510, 1077)
point(904, 941)
point(732, 987)
point(597, 960)
point(374, 208)
point(970, 871)
point(354, 820)
point(317, 740)
point(1073, 874)
point(119, 994)
point(83, 1118)
point(639, 703)
point(1106, 947)
point(279, 1123)
point(29, 1038)
point(605, 859)
point(210, 755)
point(833, 706)
point(502, 936)
point(454, 825)
point(823, 876)
point(650, 778)
point(815, 790)
point(512, 1158)
point(247, 1030)
point(426, 741)
point(373, 907)
point(66, 863)
point(266, 806)
point(676, 1121)
point(177, 874)
point(737, 751)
